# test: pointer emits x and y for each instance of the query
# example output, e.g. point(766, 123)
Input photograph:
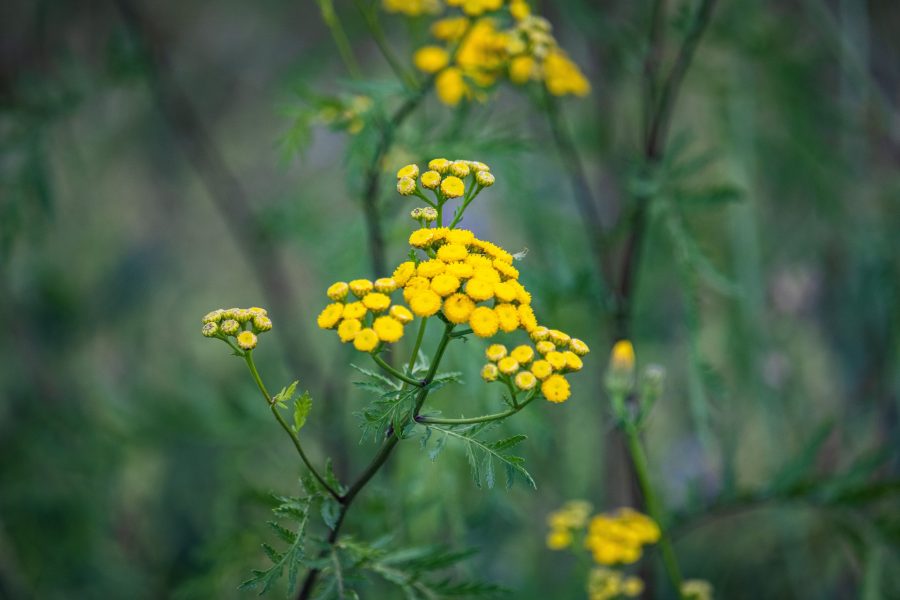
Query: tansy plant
point(493, 41)
point(466, 287)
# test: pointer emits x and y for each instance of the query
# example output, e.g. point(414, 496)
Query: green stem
point(384, 365)
point(326, 7)
point(639, 458)
point(248, 357)
point(482, 419)
point(418, 344)
point(378, 461)
point(378, 36)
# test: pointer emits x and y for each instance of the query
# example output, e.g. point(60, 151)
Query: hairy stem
point(248, 358)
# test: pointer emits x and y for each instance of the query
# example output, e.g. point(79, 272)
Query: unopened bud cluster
point(240, 324)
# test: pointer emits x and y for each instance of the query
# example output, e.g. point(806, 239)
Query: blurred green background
point(159, 160)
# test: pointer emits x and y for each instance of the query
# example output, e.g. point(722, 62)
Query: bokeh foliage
point(136, 460)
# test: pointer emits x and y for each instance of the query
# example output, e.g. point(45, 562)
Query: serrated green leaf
point(302, 407)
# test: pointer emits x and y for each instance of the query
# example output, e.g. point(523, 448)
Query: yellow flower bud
point(410, 171)
point(453, 187)
point(525, 380)
point(401, 313)
point(484, 179)
point(459, 168)
point(337, 291)
point(556, 389)
point(361, 287)
point(246, 340)
point(262, 323)
point(230, 327)
point(431, 59)
point(622, 358)
point(508, 365)
point(430, 179)
point(366, 340)
point(429, 214)
point(210, 329)
point(495, 352)
point(406, 186)
point(439, 165)
point(385, 285)
point(490, 372)
point(214, 316)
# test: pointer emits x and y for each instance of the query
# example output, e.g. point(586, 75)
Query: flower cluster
point(619, 537)
point(413, 8)
point(461, 280)
point(362, 313)
point(475, 52)
point(605, 583)
point(240, 324)
point(525, 365)
point(613, 538)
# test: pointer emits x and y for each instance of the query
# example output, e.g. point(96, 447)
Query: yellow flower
point(401, 313)
point(388, 329)
point(444, 285)
point(525, 380)
point(261, 323)
point(327, 319)
point(361, 287)
point(484, 179)
point(558, 337)
point(415, 284)
point(354, 310)
point(458, 307)
point(541, 369)
point(449, 29)
point(559, 539)
point(556, 389)
point(487, 273)
point(404, 271)
point(505, 292)
point(519, 9)
point(483, 321)
point(450, 86)
point(573, 361)
point(348, 329)
point(508, 365)
point(539, 333)
point(411, 171)
point(431, 268)
point(562, 76)
point(523, 354)
point(337, 291)
point(521, 69)
point(406, 186)
point(545, 346)
point(506, 269)
point(495, 352)
point(376, 301)
point(578, 347)
point(231, 327)
point(508, 317)
point(527, 318)
point(385, 285)
point(479, 289)
point(489, 372)
point(213, 317)
point(430, 179)
point(632, 587)
point(460, 270)
point(453, 187)
point(430, 59)
point(460, 236)
point(420, 239)
point(439, 165)
point(452, 252)
point(622, 357)
point(424, 303)
point(556, 359)
point(459, 169)
point(246, 340)
point(366, 340)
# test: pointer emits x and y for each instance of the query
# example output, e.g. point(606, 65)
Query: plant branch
point(653, 506)
point(426, 420)
point(371, 21)
point(273, 405)
point(384, 365)
point(329, 15)
point(656, 130)
point(377, 462)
